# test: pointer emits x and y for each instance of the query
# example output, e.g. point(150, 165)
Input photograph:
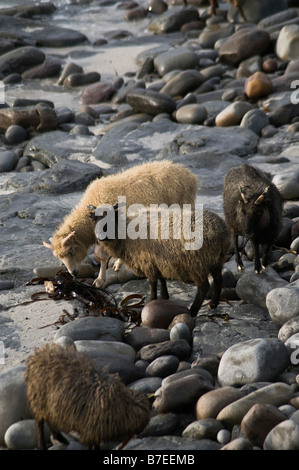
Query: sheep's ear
point(116, 207)
point(47, 245)
point(67, 238)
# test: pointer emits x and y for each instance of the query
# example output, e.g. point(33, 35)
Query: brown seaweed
point(98, 301)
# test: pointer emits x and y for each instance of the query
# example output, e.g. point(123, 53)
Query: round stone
point(232, 114)
point(15, 134)
point(287, 44)
point(21, 435)
point(255, 120)
point(257, 85)
point(180, 331)
point(159, 313)
point(191, 114)
point(163, 366)
point(223, 436)
point(8, 161)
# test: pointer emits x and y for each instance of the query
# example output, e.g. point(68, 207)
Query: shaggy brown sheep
point(67, 392)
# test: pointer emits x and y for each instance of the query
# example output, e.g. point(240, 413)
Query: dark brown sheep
point(253, 208)
point(67, 392)
point(160, 258)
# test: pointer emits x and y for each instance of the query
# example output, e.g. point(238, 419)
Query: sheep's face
point(255, 213)
point(69, 251)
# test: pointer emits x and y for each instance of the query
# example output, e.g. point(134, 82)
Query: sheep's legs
point(266, 254)
point(257, 261)
point(164, 291)
point(217, 277)
point(41, 442)
point(238, 256)
point(202, 291)
point(153, 289)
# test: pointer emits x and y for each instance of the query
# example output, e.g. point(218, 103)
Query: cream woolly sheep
point(159, 258)
point(149, 183)
point(67, 392)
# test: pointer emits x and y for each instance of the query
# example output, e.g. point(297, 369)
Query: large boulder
point(243, 44)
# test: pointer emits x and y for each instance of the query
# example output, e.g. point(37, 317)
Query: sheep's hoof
point(258, 271)
point(212, 305)
point(193, 312)
point(240, 267)
point(117, 265)
point(99, 283)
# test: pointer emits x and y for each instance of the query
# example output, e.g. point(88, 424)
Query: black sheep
point(253, 208)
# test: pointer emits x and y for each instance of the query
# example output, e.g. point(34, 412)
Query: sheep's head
point(254, 209)
point(68, 250)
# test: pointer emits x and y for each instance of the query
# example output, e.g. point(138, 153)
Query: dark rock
point(179, 58)
point(283, 114)
point(121, 94)
point(23, 102)
point(161, 425)
point(51, 147)
point(284, 82)
point(181, 394)
point(173, 19)
point(157, 7)
point(97, 93)
point(243, 44)
point(15, 134)
point(26, 11)
point(12, 78)
point(179, 348)
point(69, 69)
point(136, 14)
point(84, 118)
point(150, 102)
point(183, 83)
point(163, 366)
point(212, 33)
point(42, 34)
point(21, 59)
point(128, 372)
point(142, 336)
point(49, 68)
point(160, 313)
point(191, 114)
point(79, 79)
point(41, 118)
point(93, 328)
point(259, 421)
point(8, 160)
point(5, 285)
point(64, 177)
point(117, 34)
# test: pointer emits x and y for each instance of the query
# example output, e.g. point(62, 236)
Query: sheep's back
point(65, 390)
point(170, 258)
point(149, 183)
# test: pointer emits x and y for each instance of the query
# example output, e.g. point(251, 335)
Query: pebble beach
point(91, 88)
